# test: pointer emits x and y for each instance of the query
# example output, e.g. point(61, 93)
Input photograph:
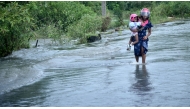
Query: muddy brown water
point(101, 73)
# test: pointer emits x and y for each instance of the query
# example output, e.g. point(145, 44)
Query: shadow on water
point(142, 83)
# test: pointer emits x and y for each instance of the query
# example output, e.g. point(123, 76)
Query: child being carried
point(134, 26)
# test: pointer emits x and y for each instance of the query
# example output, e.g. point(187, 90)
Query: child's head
point(133, 18)
point(145, 13)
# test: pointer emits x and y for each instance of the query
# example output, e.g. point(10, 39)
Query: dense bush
point(176, 8)
point(94, 5)
point(20, 20)
point(60, 13)
point(15, 27)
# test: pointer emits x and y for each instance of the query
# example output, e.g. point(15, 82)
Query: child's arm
point(134, 30)
point(136, 39)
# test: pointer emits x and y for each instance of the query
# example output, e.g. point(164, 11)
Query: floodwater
point(102, 73)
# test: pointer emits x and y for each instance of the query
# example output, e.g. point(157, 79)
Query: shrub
point(15, 23)
point(105, 23)
point(87, 24)
point(62, 13)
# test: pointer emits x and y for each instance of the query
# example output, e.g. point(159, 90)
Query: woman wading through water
point(141, 48)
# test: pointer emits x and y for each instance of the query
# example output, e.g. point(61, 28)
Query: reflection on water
point(142, 83)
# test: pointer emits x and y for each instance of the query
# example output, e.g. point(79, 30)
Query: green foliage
point(118, 8)
point(169, 9)
point(21, 21)
point(54, 18)
point(87, 24)
point(160, 10)
point(94, 5)
point(15, 23)
point(62, 12)
point(176, 8)
point(137, 5)
point(50, 31)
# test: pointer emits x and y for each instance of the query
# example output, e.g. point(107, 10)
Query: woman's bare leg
point(143, 58)
point(143, 55)
point(137, 58)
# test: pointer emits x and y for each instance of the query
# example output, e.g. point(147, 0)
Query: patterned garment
point(142, 43)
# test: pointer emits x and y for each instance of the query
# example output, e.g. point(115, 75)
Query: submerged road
point(101, 73)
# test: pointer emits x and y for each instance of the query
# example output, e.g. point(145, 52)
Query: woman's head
point(145, 13)
point(133, 17)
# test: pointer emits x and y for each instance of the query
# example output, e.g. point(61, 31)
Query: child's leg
point(136, 39)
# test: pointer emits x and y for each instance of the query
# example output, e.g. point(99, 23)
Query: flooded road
point(101, 73)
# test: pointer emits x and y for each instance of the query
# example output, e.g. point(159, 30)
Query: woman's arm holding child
point(149, 33)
